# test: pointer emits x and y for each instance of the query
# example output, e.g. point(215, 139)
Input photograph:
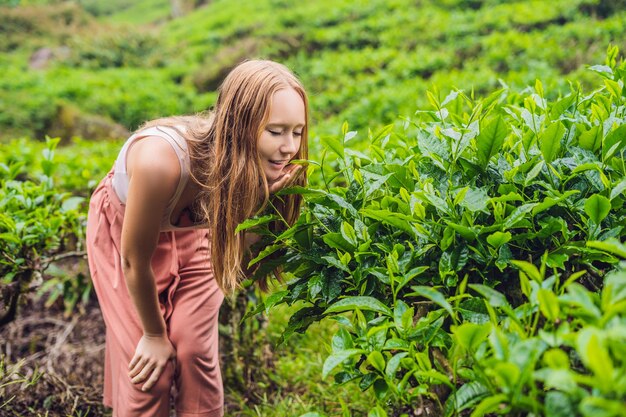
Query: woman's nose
point(290, 144)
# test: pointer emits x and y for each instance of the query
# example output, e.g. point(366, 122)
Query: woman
point(161, 238)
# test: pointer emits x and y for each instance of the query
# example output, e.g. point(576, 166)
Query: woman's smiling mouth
point(278, 163)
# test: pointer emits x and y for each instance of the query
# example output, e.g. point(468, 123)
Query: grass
point(297, 374)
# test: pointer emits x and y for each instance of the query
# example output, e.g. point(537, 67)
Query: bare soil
point(67, 353)
point(52, 365)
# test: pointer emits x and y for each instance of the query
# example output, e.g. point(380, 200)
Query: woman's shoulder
point(154, 156)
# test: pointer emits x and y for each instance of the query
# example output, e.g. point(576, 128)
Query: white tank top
point(120, 178)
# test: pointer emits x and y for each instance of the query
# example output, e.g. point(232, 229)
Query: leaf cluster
point(424, 235)
point(37, 223)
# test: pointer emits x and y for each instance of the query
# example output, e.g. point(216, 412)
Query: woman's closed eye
point(278, 133)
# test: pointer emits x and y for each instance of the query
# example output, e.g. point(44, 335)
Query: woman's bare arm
point(154, 173)
point(154, 170)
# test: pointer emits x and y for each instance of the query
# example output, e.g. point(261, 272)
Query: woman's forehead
point(287, 108)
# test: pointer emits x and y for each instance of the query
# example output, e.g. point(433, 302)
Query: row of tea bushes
point(472, 252)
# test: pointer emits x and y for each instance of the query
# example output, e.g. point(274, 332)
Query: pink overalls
point(189, 298)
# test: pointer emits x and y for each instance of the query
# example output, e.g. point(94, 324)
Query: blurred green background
point(97, 69)
point(91, 71)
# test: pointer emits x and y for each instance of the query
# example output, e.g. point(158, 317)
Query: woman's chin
point(273, 174)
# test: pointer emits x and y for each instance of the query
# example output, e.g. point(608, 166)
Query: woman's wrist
point(152, 335)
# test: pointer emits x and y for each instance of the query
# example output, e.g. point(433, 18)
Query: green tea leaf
point(490, 139)
point(337, 358)
point(493, 297)
point(529, 269)
point(315, 285)
point(498, 239)
point(597, 207)
point(532, 174)
point(548, 304)
point(342, 340)
point(596, 406)
point(559, 404)
point(341, 202)
point(613, 246)
point(475, 199)
point(360, 302)
point(614, 88)
point(250, 223)
point(594, 353)
point(560, 106)
point(613, 142)
point(517, 215)
point(433, 295)
point(268, 250)
point(582, 298)
point(550, 141)
point(274, 299)
point(591, 139)
point(618, 189)
point(377, 360)
point(393, 219)
point(471, 335)
point(489, 405)
point(333, 144)
point(348, 233)
point(466, 232)
point(466, 396)
point(336, 241)
point(377, 412)
point(332, 260)
point(72, 203)
point(394, 364)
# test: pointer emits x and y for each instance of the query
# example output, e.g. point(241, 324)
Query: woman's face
point(280, 138)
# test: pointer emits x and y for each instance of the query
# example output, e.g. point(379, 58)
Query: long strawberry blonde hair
point(226, 165)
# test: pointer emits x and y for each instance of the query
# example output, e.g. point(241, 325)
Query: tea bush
point(364, 62)
point(39, 225)
point(471, 250)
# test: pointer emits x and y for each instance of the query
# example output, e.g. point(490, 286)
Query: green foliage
point(365, 62)
point(77, 168)
point(37, 225)
point(129, 95)
point(136, 12)
point(122, 48)
point(418, 239)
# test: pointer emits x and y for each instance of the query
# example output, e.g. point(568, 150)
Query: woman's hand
point(151, 356)
point(289, 174)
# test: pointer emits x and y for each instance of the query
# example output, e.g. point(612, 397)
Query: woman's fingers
point(151, 356)
point(287, 177)
point(154, 377)
point(294, 169)
point(137, 365)
point(145, 373)
point(133, 362)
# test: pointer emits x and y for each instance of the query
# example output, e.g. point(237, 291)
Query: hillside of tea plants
point(461, 250)
point(473, 259)
point(363, 61)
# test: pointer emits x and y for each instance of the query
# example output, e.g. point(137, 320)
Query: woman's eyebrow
point(284, 125)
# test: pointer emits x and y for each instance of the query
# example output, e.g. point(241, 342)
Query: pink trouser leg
point(123, 331)
point(189, 299)
point(194, 333)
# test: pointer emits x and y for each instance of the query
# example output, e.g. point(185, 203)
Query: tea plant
point(38, 226)
point(411, 235)
point(559, 353)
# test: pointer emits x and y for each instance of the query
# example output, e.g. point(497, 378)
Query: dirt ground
point(67, 353)
point(52, 365)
